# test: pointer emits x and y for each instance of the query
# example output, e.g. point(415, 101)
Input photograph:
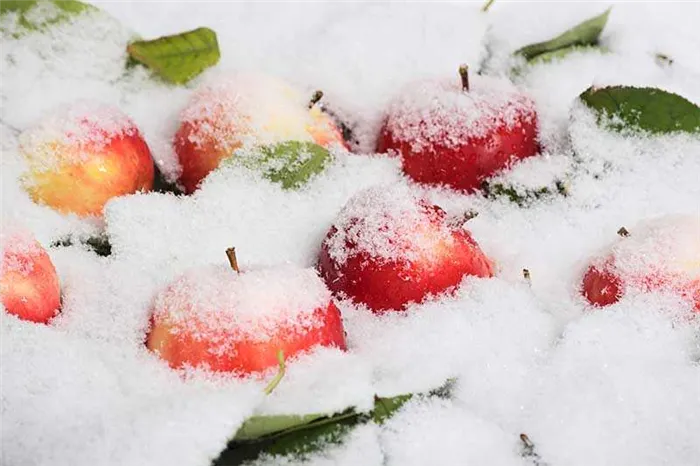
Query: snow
point(72, 134)
point(619, 385)
point(440, 111)
point(387, 222)
point(251, 304)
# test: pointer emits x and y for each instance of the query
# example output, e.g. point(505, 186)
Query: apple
point(29, 286)
point(84, 155)
point(229, 321)
point(388, 248)
point(245, 110)
point(459, 134)
point(659, 254)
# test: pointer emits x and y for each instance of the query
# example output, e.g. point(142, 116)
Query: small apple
point(29, 286)
point(458, 135)
point(230, 321)
point(84, 155)
point(388, 248)
point(659, 254)
point(245, 110)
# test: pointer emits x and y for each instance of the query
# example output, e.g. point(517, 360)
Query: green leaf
point(293, 163)
point(645, 109)
point(521, 196)
point(180, 57)
point(260, 426)
point(100, 244)
point(301, 435)
point(35, 15)
point(559, 54)
point(586, 33)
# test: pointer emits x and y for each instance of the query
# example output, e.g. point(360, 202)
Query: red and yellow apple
point(658, 255)
point(229, 321)
point(242, 110)
point(29, 286)
point(388, 248)
point(80, 158)
point(458, 135)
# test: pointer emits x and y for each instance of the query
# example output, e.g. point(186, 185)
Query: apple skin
point(182, 348)
point(392, 284)
point(446, 153)
point(206, 137)
point(89, 173)
point(660, 254)
point(29, 285)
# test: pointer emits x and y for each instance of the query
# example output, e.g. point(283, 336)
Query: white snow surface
point(613, 386)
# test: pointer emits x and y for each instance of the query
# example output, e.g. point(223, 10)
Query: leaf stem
point(526, 276)
point(280, 374)
point(487, 5)
point(232, 260)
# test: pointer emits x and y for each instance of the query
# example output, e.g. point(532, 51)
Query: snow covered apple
point(388, 248)
point(29, 286)
point(229, 321)
point(458, 134)
point(659, 254)
point(84, 155)
point(244, 110)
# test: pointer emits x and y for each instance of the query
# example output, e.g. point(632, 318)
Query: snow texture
point(591, 387)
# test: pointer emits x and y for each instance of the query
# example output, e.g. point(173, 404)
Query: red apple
point(226, 321)
point(388, 248)
point(457, 134)
point(84, 155)
point(661, 254)
point(29, 286)
point(245, 109)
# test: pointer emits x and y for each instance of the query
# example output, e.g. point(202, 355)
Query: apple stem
point(623, 232)
point(526, 276)
point(315, 98)
point(232, 260)
point(464, 74)
point(487, 5)
point(280, 374)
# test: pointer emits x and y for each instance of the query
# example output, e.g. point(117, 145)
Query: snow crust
point(387, 222)
point(590, 387)
point(72, 134)
point(440, 111)
point(252, 304)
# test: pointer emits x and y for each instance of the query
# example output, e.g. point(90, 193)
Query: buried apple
point(244, 110)
point(662, 254)
point(388, 248)
point(84, 155)
point(229, 321)
point(459, 134)
point(29, 286)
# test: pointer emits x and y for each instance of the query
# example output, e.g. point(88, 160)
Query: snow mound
point(252, 304)
point(441, 112)
point(387, 222)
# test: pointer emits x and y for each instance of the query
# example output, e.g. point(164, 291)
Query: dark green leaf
point(523, 197)
point(586, 33)
point(644, 109)
point(180, 57)
point(100, 245)
point(55, 11)
point(260, 426)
